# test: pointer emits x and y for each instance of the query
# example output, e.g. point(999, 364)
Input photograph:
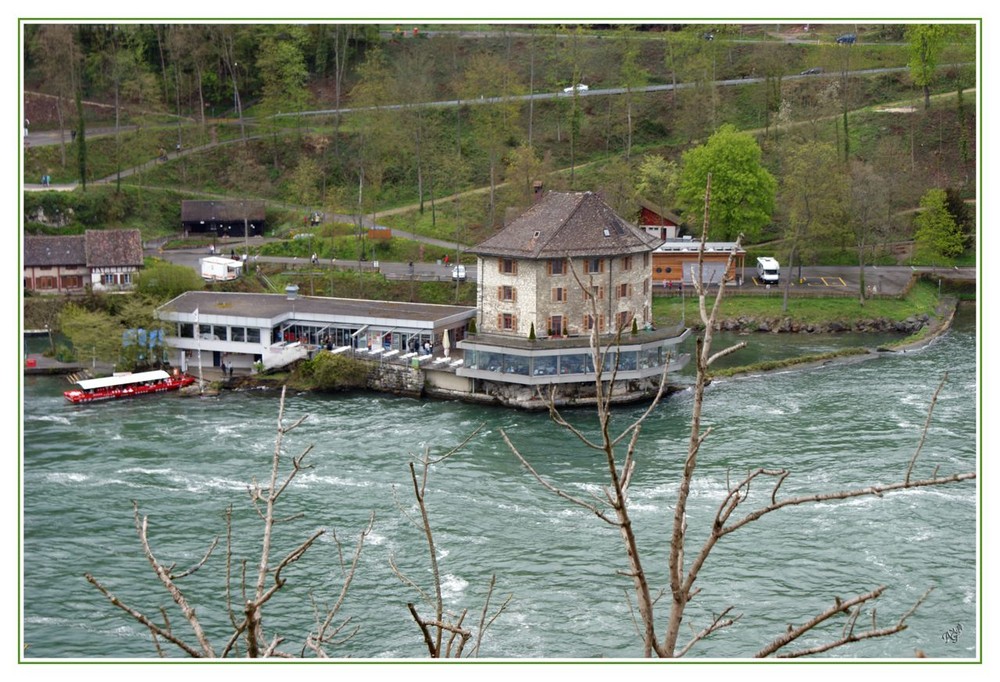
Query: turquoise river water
point(184, 460)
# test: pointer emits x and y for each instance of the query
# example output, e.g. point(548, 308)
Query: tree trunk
point(62, 130)
point(201, 94)
point(861, 272)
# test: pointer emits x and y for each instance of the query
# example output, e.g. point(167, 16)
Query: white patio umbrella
point(447, 343)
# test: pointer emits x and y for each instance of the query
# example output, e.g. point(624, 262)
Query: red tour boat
point(126, 386)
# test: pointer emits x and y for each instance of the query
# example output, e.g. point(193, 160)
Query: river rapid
point(185, 460)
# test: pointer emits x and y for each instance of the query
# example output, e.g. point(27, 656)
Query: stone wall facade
point(396, 379)
point(519, 293)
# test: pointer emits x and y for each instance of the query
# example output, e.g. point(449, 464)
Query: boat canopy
point(123, 380)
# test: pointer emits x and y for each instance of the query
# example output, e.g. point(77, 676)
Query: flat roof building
point(242, 329)
point(675, 262)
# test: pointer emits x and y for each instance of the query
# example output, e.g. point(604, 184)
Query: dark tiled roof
point(567, 224)
point(107, 248)
point(221, 211)
point(48, 252)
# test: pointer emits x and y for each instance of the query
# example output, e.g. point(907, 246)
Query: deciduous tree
point(743, 200)
point(926, 42)
point(657, 180)
point(868, 214)
point(379, 133)
point(814, 195)
point(95, 335)
point(523, 169)
point(633, 76)
point(282, 69)
point(495, 116)
point(163, 281)
point(58, 56)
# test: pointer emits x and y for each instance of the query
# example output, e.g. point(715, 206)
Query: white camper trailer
point(219, 269)
point(768, 271)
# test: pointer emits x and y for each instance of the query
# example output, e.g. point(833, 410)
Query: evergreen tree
point(937, 234)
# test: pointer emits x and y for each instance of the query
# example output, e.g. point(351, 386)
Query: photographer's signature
point(951, 635)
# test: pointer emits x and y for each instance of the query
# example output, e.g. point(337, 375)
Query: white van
point(768, 271)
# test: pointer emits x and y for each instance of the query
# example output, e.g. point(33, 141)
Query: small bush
point(328, 372)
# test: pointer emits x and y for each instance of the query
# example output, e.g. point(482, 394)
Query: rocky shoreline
point(777, 325)
point(935, 325)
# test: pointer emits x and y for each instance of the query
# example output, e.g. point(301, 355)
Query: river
point(184, 460)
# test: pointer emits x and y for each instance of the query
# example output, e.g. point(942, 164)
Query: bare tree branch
point(853, 608)
point(718, 622)
point(155, 629)
point(433, 629)
point(923, 433)
point(575, 500)
point(484, 624)
point(142, 527)
point(321, 635)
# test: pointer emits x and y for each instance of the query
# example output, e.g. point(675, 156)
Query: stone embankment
point(776, 325)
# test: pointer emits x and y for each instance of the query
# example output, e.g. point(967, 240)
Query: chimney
point(537, 187)
point(292, 292)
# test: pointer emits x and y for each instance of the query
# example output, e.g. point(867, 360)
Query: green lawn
point(923, 298)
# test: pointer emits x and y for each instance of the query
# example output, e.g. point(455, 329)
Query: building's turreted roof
point(575, 224)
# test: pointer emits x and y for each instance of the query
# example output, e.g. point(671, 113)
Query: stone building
point(539, 280)
point(540, 271)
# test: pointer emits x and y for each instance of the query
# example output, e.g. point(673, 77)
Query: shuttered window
point(507, 322)
point(508, 266)
point(507, 293)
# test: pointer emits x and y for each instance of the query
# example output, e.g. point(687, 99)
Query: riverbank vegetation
point(787, 363)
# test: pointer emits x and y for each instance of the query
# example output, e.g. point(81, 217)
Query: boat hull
point(173, 383)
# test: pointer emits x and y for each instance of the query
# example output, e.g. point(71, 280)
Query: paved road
point(816, 279)
point(392, 270)
point(884, 279)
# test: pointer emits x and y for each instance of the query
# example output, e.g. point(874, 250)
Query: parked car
point(579, 87)
point(809, 72)
point(458, 273)
point(846, 39)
